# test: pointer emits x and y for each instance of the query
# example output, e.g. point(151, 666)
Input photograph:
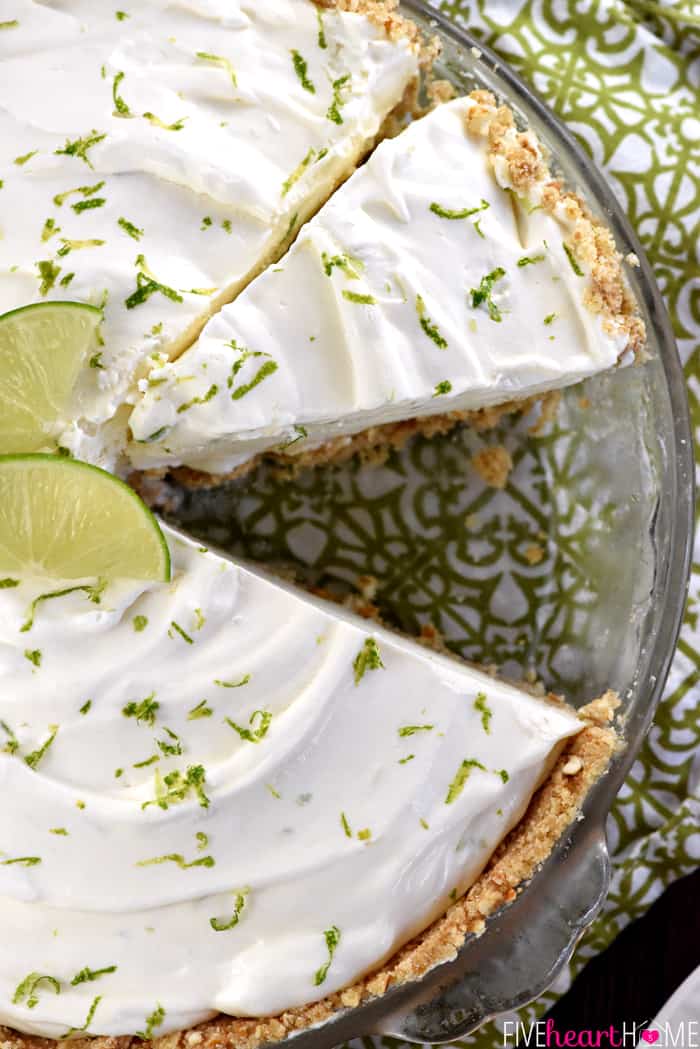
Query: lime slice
point(43, 349)
point(67, 520)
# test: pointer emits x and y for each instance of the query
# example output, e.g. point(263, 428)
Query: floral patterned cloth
point(625, 77)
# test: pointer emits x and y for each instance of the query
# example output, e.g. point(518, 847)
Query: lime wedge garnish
point(43, 349)
point(64, 519)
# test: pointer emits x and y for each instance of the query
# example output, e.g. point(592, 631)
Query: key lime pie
point(154, 159)
point(267, 800)
point(406, 298)
point(233, 809)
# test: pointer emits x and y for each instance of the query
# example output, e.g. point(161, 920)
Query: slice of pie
point(264, 804)
point(154, 159)
point(451, 275)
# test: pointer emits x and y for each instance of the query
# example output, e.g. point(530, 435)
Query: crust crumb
point(493, 465)
point(573, 766)
point(534, 554)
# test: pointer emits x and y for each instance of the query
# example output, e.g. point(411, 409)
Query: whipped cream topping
point(153, 159)
point(425, 285)
point(224, 795)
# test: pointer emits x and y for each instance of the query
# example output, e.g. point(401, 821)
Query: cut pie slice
point(155, 159)
point(449, 275)
point(262, 805)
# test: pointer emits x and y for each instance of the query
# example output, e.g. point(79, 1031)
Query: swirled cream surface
point(220, 794)
point(423, 286)
point(153, 159)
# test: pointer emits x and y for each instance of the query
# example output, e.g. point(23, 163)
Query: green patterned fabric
point(508, 576)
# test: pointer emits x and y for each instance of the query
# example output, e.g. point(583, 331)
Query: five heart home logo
point(650, 1036)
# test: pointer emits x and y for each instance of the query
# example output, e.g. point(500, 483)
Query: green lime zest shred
point(144, 711)
point(238, 906)
point(133, 231)
point(572, 259)
point(462, 775)
point(203, 399)
point(368, 658)
point(460, 213)
point(48, 271)
point(482, 707)
point(88, 975)
point(218, 60)
point(253, 734)
point(80, 147)
point(332, 938)
point(147, 285)
point(179, 859)
point(339, 100)
point(27, 990)
point(302, 71)
point(530, 260)
point(200, 711)
point(34, 757)
point(430, 329)
point(411, 730)
point(154, 1020)
point(88, 1019)
point(483, 294)
point(359, 298)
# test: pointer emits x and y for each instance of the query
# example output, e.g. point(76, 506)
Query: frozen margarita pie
point(267, 800)
point(154, 159)
point(449, 275)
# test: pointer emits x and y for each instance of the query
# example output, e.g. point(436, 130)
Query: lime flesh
point(64, 519)
point(43, 349)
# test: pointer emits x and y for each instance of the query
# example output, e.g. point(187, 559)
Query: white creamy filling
point(330, 792)
point(388, 306)
point(199, 134)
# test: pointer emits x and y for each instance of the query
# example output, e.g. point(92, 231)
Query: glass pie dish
point(575, 574)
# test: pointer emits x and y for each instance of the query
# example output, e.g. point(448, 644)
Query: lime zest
point(333, 113)
point(484, 293)
point(238, 906)
point(80, 147)
point(88, 1019)
point(368, 658)
point(430, 329)
point(29, 986)
point(200, 711)
point(154, 1020)
point(462, 775)
point(332, 938)
point(253, 734)
point(301, 69)
point(179, 859)
point(32, 759)
point(144, 711)
point(218, 60)
point(94, 592)
point(482, 707)
point(88, 975)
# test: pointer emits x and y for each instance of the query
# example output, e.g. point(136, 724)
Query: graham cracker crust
point(553, 808)
point(373, 445)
